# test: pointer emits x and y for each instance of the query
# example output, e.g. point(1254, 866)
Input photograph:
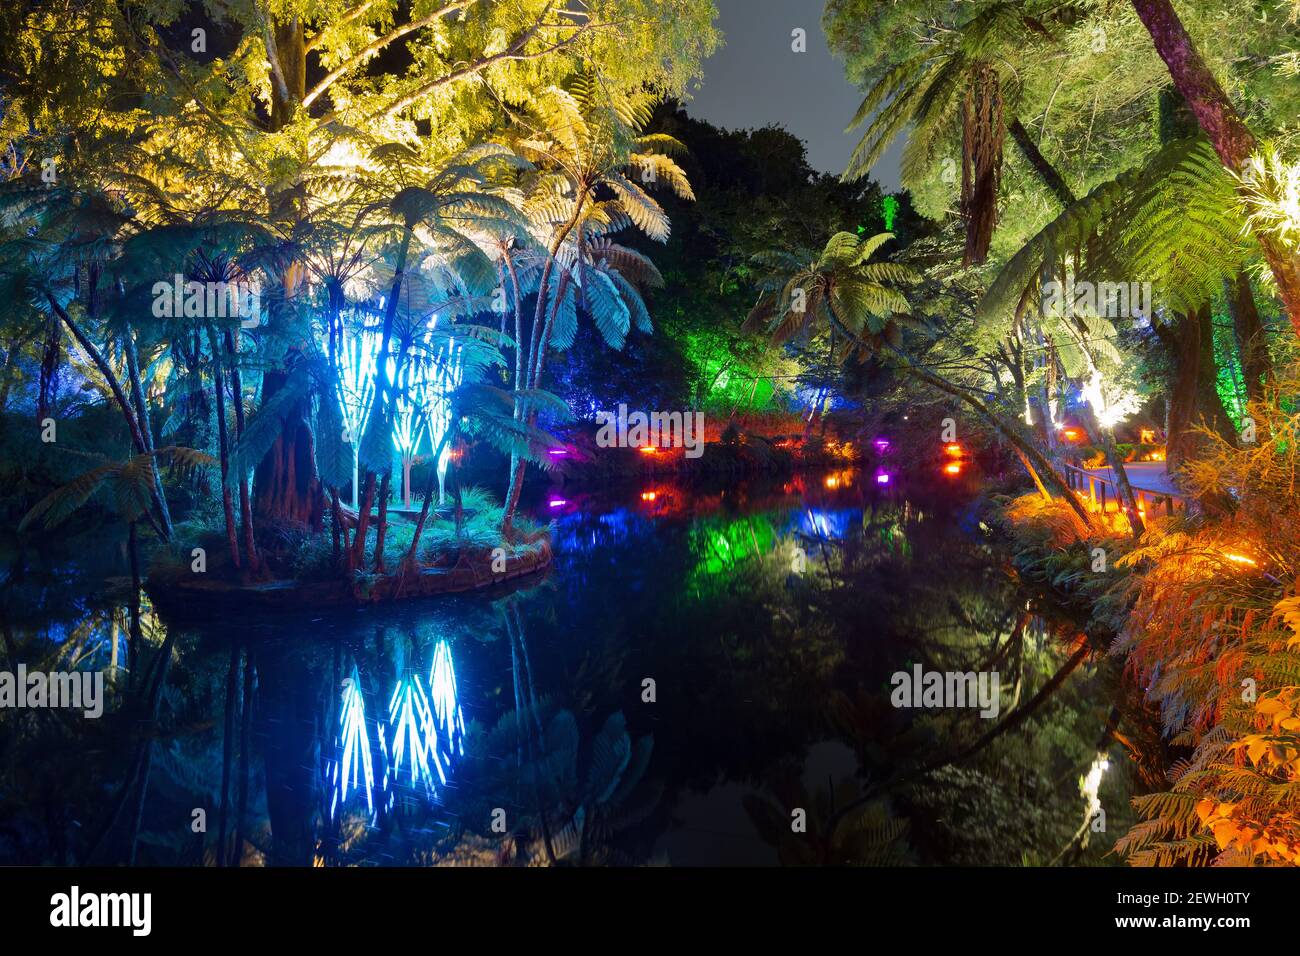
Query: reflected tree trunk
point(245, 741)
point(227, 754)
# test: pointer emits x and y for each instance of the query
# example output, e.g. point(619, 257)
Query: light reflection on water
point(694, 664)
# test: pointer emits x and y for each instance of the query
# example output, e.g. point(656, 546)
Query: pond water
point(703, 677)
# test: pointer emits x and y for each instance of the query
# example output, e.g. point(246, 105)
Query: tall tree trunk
point(1218, 118)
point(245, 504)
point(537, 353)
point(146, 755)
point(288, 736)
point(1027, 449)
point(1046, 171)
point(447, 438)
point(519, 321)
point(119, 395)
point(336, 523)
point(383, 402)
point(137, 629)
point(357, 556)
point(1180, 440)
point(1252, 340)
point(1103, 438)
point(381, 528)
point(50, 363)
point(1209, 404)
point(1033, 473)
point(146, 429)
point(981, 164)
point(285, 486)
point(223, 441)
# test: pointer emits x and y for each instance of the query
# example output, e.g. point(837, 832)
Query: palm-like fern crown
point(592, 163)
point(127, 486)
point(925, 91)
point(1173, 222)
point(589, 138)
point(837, 288)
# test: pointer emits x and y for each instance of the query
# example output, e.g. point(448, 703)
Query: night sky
point(756, 80)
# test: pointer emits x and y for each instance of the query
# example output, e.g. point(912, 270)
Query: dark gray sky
point(756, 79)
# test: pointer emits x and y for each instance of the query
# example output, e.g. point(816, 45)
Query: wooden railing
point(1096, 485)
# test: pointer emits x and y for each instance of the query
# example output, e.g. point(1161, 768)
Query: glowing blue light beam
point(353, 770)
point(446, 701)
point(357, 360)
point(414, 736)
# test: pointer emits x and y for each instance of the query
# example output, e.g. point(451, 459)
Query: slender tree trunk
point(245, 504)
point(245, 743)
point(458, 513)
point(447, 438)
point(227, 753)
point(336, 523)
point(1033, 473)
point(1218, 118)
point(1209, 404)
point(286, 487)
point(384, 387)
point(381, 528)
point(137, 630)
point(223, 442)
point(413, 550)
point(539, 359)
point(1046, 171)
point(119, 395)
point(1040, 462)
point(357, 556)
point(520, 357)
point(383, 398)
point(146, 429)
point(536, 355)
point(1252, 340)
point(155, 698)
point(518, 466)
point(1102, 437)
point(49, 372)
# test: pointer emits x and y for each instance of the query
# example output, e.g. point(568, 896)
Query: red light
point(648, 496)
point(952, 468)
point(954, 450)
point(1071, 434)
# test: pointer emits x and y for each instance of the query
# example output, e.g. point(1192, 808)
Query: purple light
point(882, 478)
point(558, 502)
point(881, 444)
point(558, 452)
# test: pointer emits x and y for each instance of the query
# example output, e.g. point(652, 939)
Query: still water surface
point(702, 678)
